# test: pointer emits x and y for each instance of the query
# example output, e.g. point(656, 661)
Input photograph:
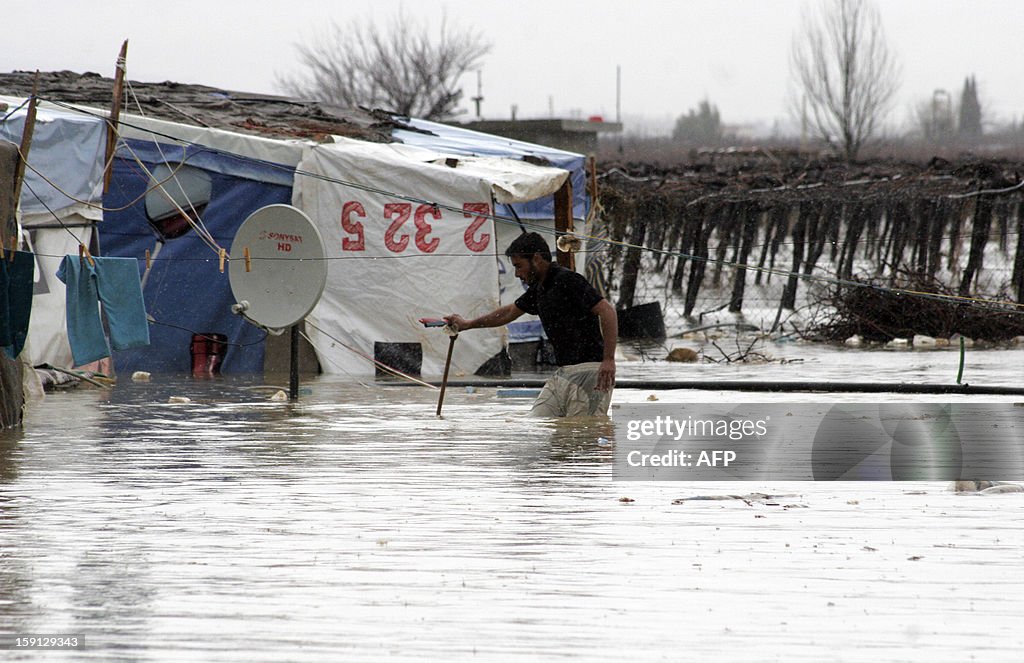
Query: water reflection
point(355, 524)
point(15, 574)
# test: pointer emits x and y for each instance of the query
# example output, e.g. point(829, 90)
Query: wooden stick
point(149, 260)
point(26, 145)
point(444, 380)
point(248, 261)
point(115, 114)
point(222, 254)
point(78, 375)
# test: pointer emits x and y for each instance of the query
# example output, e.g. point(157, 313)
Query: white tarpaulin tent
point(411, 239)
point(539, 213)
point(415, 259)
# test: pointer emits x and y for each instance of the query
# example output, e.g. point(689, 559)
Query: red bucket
point(207, 354)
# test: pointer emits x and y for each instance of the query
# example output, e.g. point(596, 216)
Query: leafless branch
point(846, 73)
point(400, 68)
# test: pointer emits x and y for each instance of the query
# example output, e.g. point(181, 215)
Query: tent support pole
point(115, 115)
point(26, 140)
point(563, 222)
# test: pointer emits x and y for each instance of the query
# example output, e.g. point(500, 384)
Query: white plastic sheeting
point(68, 149)
point(262, 159)
point(394, 260)
point(47, 332)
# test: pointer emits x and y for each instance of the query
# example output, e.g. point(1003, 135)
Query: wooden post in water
point(981, 223)
point(631, 263)
point(705, 223)
point(749, 214)
point(1018, 258)
point(690, 220)
point(788, 300)
point(940, 211)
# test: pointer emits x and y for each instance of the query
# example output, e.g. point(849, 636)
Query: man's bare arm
point(496, 318)
point(609, 322)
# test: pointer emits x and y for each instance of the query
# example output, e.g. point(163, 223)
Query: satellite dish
point(288, 271)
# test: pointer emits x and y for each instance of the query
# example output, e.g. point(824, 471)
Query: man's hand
point(606, 375)
point(456, 322)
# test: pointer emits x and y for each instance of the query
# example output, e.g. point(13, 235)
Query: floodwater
point(356, 526)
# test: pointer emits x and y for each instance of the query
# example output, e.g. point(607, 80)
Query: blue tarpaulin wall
point(186, 293)
point(456, 140)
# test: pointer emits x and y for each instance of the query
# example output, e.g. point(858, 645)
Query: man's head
point(530, 256)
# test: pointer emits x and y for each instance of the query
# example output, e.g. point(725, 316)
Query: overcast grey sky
point(547, 54)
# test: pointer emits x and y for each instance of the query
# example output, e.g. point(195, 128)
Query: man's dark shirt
point(563, 301)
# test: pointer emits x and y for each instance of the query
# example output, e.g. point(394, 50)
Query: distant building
point(572, 135)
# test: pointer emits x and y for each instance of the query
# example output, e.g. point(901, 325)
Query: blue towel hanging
point(115, 283)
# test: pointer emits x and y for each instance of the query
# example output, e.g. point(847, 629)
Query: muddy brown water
point(354, 525)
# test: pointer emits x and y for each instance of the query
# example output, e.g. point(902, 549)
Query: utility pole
point(618, 101)
point(479, 92)
point(618, 93)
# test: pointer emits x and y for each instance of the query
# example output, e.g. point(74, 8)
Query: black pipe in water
point(743, 385)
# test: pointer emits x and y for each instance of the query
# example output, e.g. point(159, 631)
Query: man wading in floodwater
point(581, 325)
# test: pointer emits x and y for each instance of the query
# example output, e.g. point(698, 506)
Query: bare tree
point(401, 69)
point(845, 73)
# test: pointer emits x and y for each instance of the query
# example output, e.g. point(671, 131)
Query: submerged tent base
point(739, 385)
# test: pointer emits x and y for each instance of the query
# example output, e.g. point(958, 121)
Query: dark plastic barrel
point(207, 354)
point(642, 321)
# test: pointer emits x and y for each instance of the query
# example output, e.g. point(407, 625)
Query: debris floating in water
point(140, 376)
point(179, 399)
